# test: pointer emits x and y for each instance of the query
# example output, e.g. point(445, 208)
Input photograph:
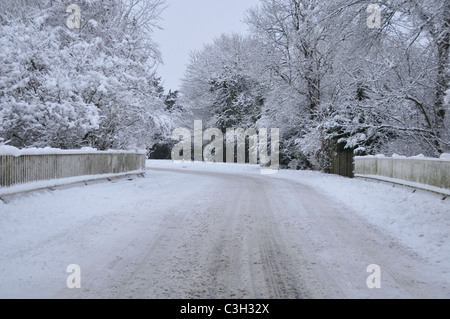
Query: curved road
point(213, 235)
point(238, 236)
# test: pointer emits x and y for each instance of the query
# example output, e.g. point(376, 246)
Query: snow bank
point(420, 220)
point(414, 185)
point(48, 184)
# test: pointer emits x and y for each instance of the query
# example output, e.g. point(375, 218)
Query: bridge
point(196, 230)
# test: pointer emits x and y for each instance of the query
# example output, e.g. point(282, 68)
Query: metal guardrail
point(22, 169)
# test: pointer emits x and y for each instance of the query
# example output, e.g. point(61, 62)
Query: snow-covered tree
point(39, 102)
point(398, 73)
point(337, 82)
point(297, 42)
point(90, 86)
point(219, 86)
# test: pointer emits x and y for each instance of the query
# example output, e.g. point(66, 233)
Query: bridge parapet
point(25, 166)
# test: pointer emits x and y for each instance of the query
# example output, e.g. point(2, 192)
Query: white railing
point(28, 168)
point(434, 172)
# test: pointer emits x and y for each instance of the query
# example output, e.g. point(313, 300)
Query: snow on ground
point(53, 183)
point(445, 192)
point(43, 232)
point(420, 220)
point(40, 185)
point(119, 231)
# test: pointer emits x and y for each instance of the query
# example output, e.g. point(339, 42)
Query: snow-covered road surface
point(211, 231)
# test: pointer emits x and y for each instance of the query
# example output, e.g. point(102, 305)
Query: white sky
point(188, 24)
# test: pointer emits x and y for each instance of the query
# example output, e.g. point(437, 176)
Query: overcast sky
point(188, 24)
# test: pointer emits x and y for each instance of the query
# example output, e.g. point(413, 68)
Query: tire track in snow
point(252, 241)
point(277, 265)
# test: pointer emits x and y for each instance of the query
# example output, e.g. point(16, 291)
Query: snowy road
point(187, 232)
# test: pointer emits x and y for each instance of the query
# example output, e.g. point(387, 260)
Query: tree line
point(322, 73)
